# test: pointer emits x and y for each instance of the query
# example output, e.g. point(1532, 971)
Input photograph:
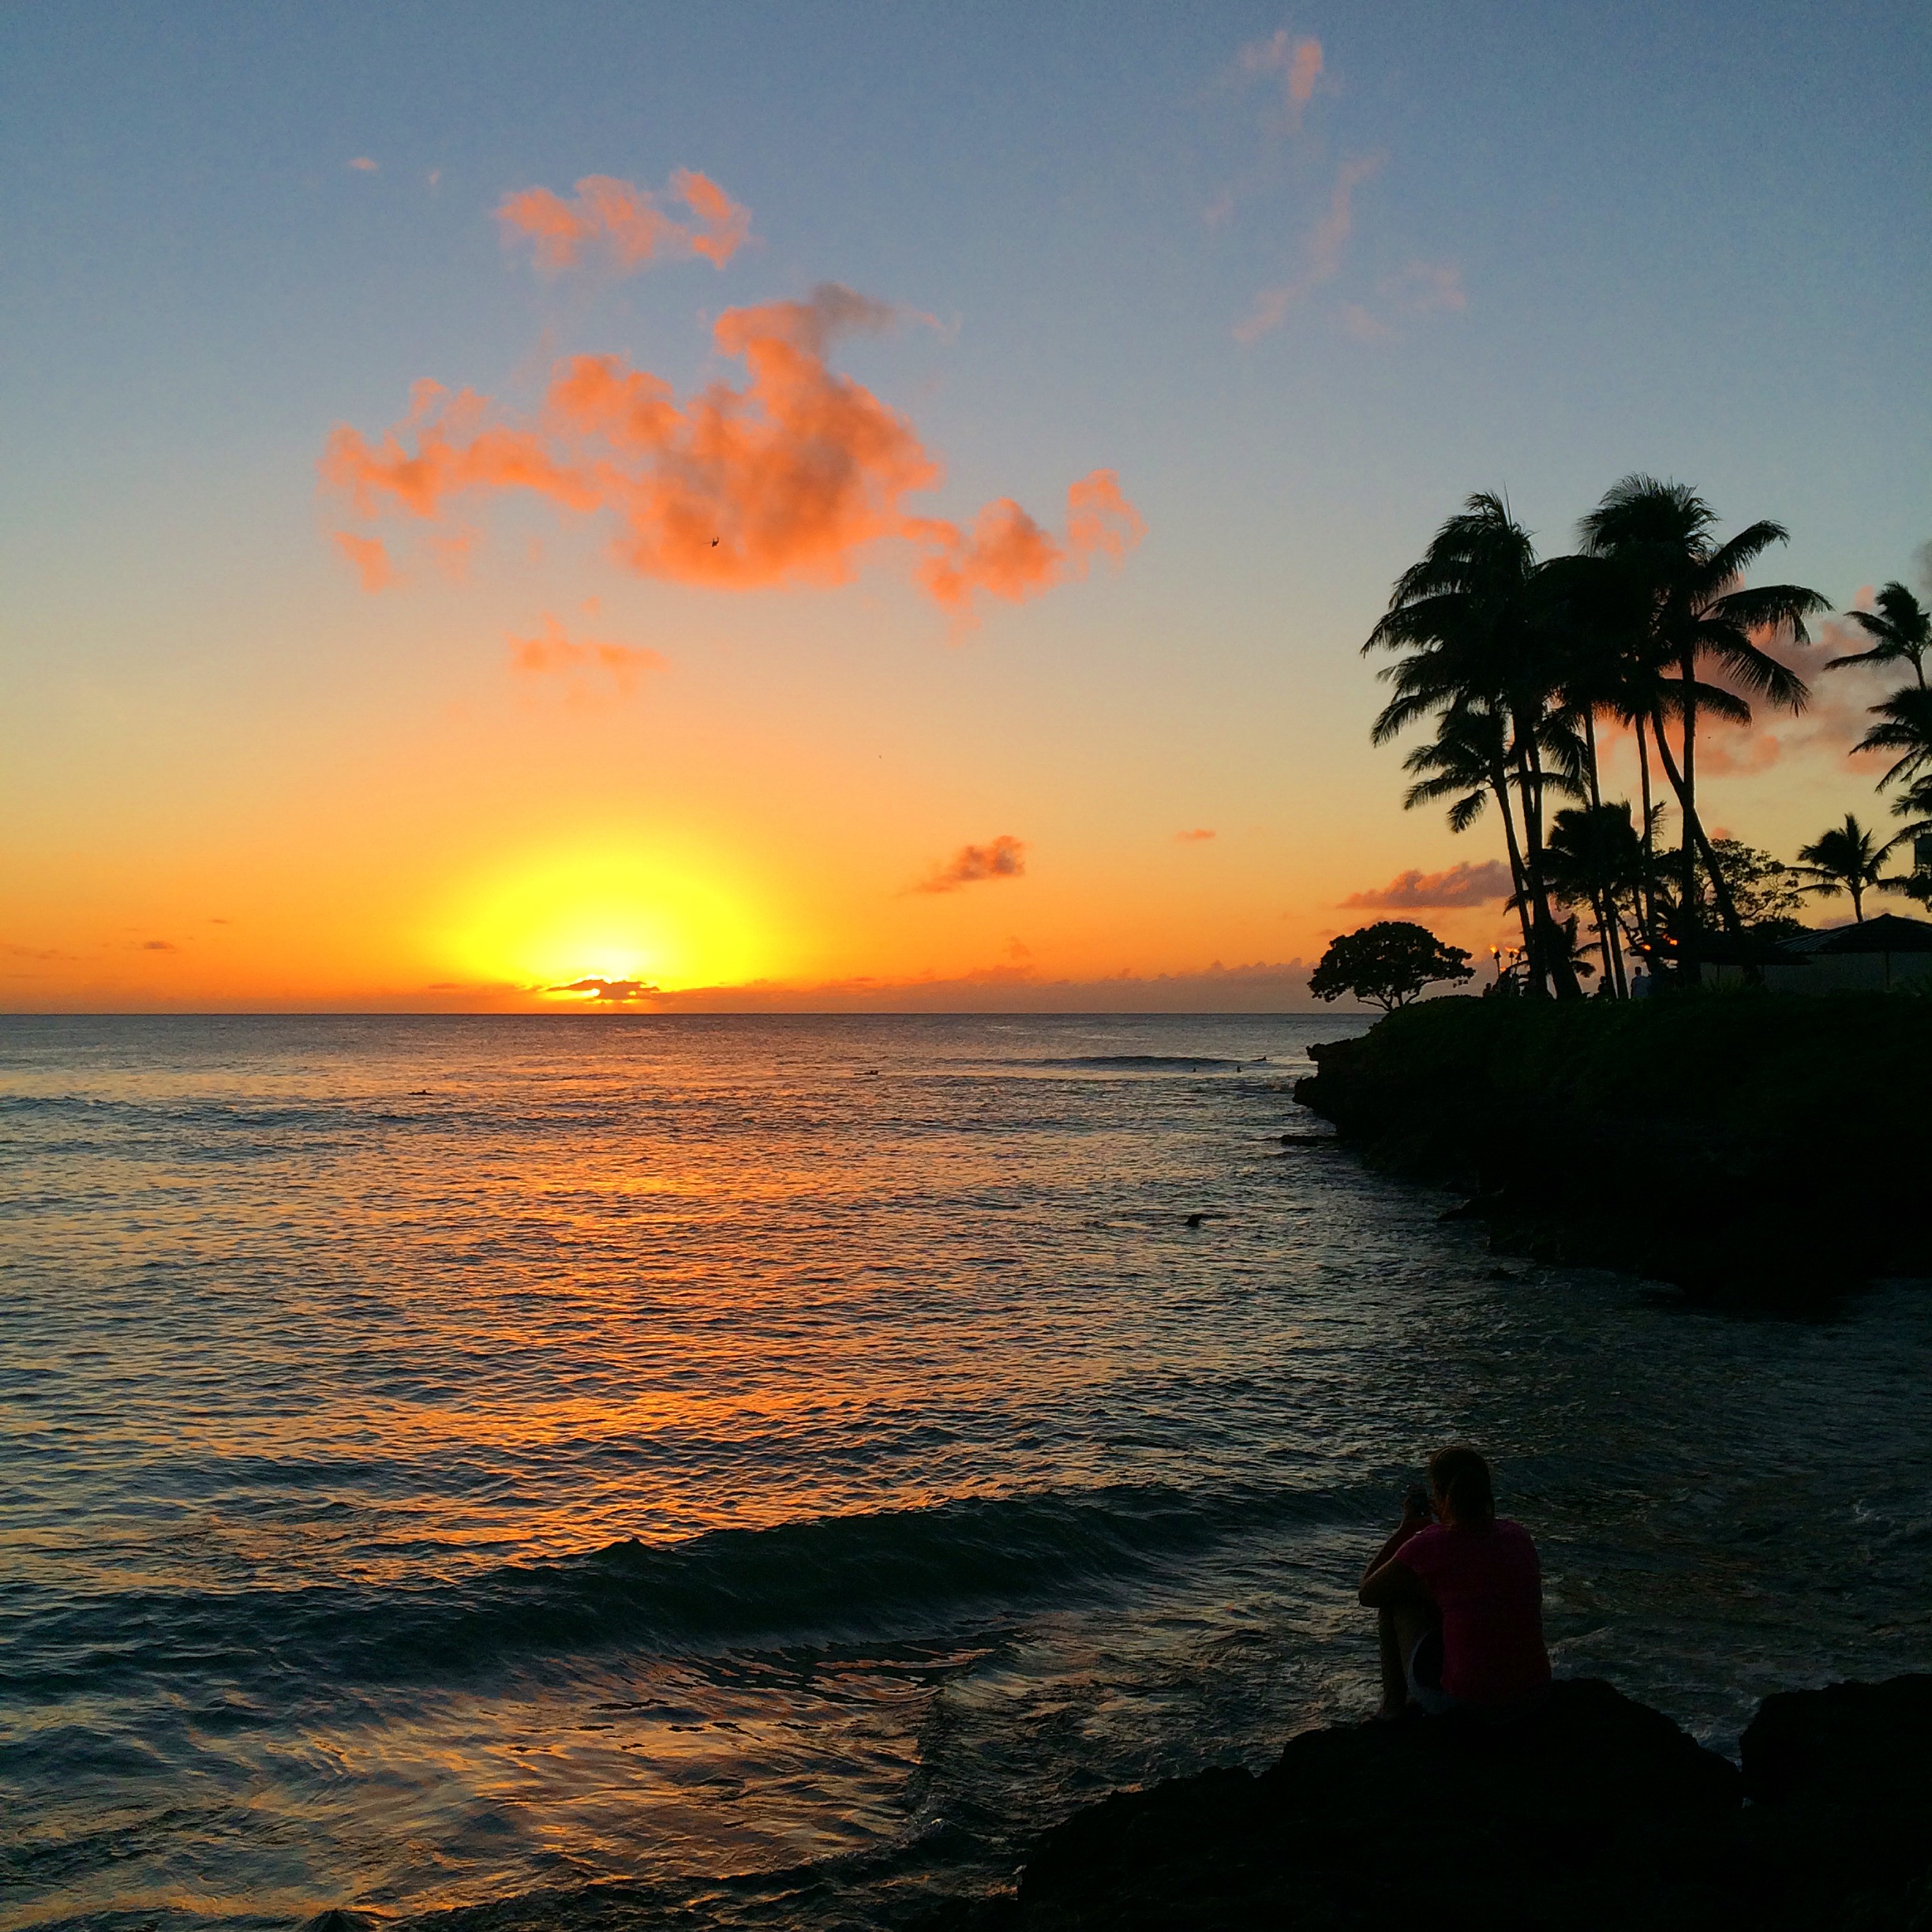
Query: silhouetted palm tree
point(1478, 636)
point(1901, 629)
point(1595, 857)
point(1905, 727)
point(1468, 764)
point(1846, 859)
point(1681, 587)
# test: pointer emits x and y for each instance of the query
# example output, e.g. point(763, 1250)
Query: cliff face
point(1754, 1148)
point(1597, 1814)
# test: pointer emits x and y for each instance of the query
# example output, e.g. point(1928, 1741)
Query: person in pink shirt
point(1459, 1597)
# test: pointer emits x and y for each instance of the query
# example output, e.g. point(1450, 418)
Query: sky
point(835, 507)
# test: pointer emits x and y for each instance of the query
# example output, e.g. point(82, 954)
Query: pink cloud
point(1198, 836)
point(626, 224)
point(1463, 885)
point(1297, 61)
point(1358, 322)
point(363, 165)
point(1005, 858)
point(787, 480)
point(1834, 718)
point(1326, 247)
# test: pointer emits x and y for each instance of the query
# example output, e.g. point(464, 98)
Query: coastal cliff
point(1597, 1814)
point(1750, 1149)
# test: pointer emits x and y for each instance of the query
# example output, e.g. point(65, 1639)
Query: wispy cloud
point(1327, 246)
point(363, 165)
point(1424, 288)
point(1362, 325)
point(370, 558)
point(1835, 716)
point(1464, 884)
point(1296, 61)
point(1196, 837)
point(787, 480)
point(551, 653)
point(1421, 289)
point(1005, 858)
point(624, 227)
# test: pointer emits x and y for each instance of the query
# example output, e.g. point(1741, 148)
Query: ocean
point(725, 1471)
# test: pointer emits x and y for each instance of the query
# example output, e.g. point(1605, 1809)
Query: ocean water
point(725, 1471)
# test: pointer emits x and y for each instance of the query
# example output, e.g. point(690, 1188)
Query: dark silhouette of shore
point(1758, 1149)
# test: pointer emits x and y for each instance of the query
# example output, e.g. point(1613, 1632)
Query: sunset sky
point(846, 505)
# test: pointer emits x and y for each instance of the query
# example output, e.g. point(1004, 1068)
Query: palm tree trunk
point(1604, 904)
point(1552, 960)
point(1686, 795)
point(1614, 928)
point(1858, 901)
point(1518, 878)
point(1648, 918)
point(1694, 833)
point(1600, 910)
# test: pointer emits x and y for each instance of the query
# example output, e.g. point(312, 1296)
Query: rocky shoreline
point(1597, 1812)
point(1755, 1149)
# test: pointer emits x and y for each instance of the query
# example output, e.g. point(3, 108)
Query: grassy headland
point(1753, 1149)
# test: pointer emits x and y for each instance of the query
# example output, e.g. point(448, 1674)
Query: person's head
point(1460, 1479)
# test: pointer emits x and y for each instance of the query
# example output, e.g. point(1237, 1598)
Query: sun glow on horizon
point(610, 917)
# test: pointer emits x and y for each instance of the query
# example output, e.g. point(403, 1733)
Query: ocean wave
point(832, 1577)
point(1142, 1062)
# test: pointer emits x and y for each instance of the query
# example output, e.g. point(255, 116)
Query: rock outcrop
point(1758, 1149)
point(1596, 1813)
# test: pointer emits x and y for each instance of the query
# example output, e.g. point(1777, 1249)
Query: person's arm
point(1387, 1582)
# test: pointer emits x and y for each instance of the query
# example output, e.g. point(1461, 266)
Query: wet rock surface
point(1597, 1812)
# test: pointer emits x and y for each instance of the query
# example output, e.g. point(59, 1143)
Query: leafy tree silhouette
point(1388, 964)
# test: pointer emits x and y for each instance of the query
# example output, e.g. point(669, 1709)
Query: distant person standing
point(1640, 984)
point(1459, 1595)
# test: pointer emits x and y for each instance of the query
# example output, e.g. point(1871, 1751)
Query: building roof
point(1884, 932)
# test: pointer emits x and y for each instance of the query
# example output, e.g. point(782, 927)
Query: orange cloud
point(1005, 858)
point(363, 165)
point(1463, 885)
point(554, 654)
point(1326, 247)
point(1726, 751)
point(787, 480)
point(625, 224)
point(1195, 837)
point(369, 557)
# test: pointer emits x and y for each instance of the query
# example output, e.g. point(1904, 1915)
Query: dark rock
point(1841, 1792)
point(1595, 1812)
point(1680, 1140)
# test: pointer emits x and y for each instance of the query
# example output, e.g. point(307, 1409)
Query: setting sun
point(559, 926)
